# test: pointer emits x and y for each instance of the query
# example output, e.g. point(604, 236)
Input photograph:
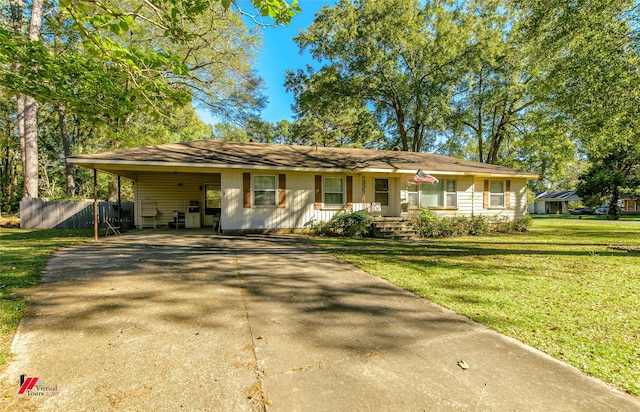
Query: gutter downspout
point(473, 196)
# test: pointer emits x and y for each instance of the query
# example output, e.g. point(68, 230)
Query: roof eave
point(134, 165)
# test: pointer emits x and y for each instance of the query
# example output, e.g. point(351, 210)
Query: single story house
point(240, 186)
point(555, 201)
point(630, 205)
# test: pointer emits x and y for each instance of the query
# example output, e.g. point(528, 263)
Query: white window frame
point(445, 196)
point(274, 190)
point(325, 192)
point(376, 192)
point(497, 195)
point(447, 193)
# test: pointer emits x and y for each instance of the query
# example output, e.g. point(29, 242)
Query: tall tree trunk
point(479, 125)
point(66, 148)
point(31, 116)
point(112, 196)
point(30, 147)
point(402, 131)
point(16, 22)
point(20, 119)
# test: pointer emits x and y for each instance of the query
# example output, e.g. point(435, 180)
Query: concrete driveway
point(185, 320)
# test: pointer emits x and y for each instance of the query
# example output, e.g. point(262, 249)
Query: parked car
point(602, 210)
point(582, 211)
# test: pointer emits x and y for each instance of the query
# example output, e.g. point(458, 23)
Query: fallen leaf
point(464, 365)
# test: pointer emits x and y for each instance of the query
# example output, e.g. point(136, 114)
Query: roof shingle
point(216, 153)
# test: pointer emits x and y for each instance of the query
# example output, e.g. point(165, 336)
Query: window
point(413, 197)
point(496, 193)
point(451, 193)
point(441, 194)
point(333, 191)
point(264, 190)
point(382, 191)
point(212, 198)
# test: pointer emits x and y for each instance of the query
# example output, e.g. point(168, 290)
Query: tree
point(595, 72)
point(494, 96)
point(106, 60)
point(230, 133)
point(399, 59)
point(609, 175)
point(326, 116)
point(10, 156)
point(30, 118)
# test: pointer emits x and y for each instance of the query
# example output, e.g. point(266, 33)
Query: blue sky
point(279, 54)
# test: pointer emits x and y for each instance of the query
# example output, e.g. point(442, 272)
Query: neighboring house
point(553, 202)
point(255, 186)
point(630, 206)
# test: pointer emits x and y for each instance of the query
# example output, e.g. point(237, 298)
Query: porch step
point(394, 228)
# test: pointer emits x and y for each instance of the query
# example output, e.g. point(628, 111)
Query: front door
point(382, 195)
point(212, 205)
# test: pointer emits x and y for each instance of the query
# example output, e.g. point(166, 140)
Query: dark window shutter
point(246, 189)
point(485, 198)
point(282, 190)
point(318, 204)
point(507, 194)
point(349, 192)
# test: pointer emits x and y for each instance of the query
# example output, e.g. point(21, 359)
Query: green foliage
point(522, 224)
point(430, 225)
point(534, 85)
point(397, 58)
point(346, 224)
point(110, 59)
point(125, 74)
point(478, 225)
point(426, 222)
point(611, 173)
point(326, 117)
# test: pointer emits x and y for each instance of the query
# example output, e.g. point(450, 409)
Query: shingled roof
point(260, 156)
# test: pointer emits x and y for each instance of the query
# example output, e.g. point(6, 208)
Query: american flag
point(424, 178)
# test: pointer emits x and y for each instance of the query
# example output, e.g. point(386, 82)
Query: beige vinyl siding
point(299, 212)
point(173, 191)
point(470, 197)
point(517, 198)
point(170, 192)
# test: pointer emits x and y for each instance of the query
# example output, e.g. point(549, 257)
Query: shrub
point(347, 224)
point(478, 225)
point(501, 224)
point(522, 224)
point(322, 229)
point(429, 225)
point(426, 223)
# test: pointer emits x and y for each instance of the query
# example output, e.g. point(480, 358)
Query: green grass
point(623, 218)
point(23, 256)
point(561, 287)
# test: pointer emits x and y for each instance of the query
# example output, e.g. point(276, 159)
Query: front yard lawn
point(23, 256)
point(568, 288)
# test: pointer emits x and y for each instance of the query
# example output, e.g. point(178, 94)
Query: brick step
point(394, 228)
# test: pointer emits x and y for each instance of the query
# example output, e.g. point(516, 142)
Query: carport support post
point(119, 203)
point(95, 204)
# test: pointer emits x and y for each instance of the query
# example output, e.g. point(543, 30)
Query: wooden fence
point(40, 214)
